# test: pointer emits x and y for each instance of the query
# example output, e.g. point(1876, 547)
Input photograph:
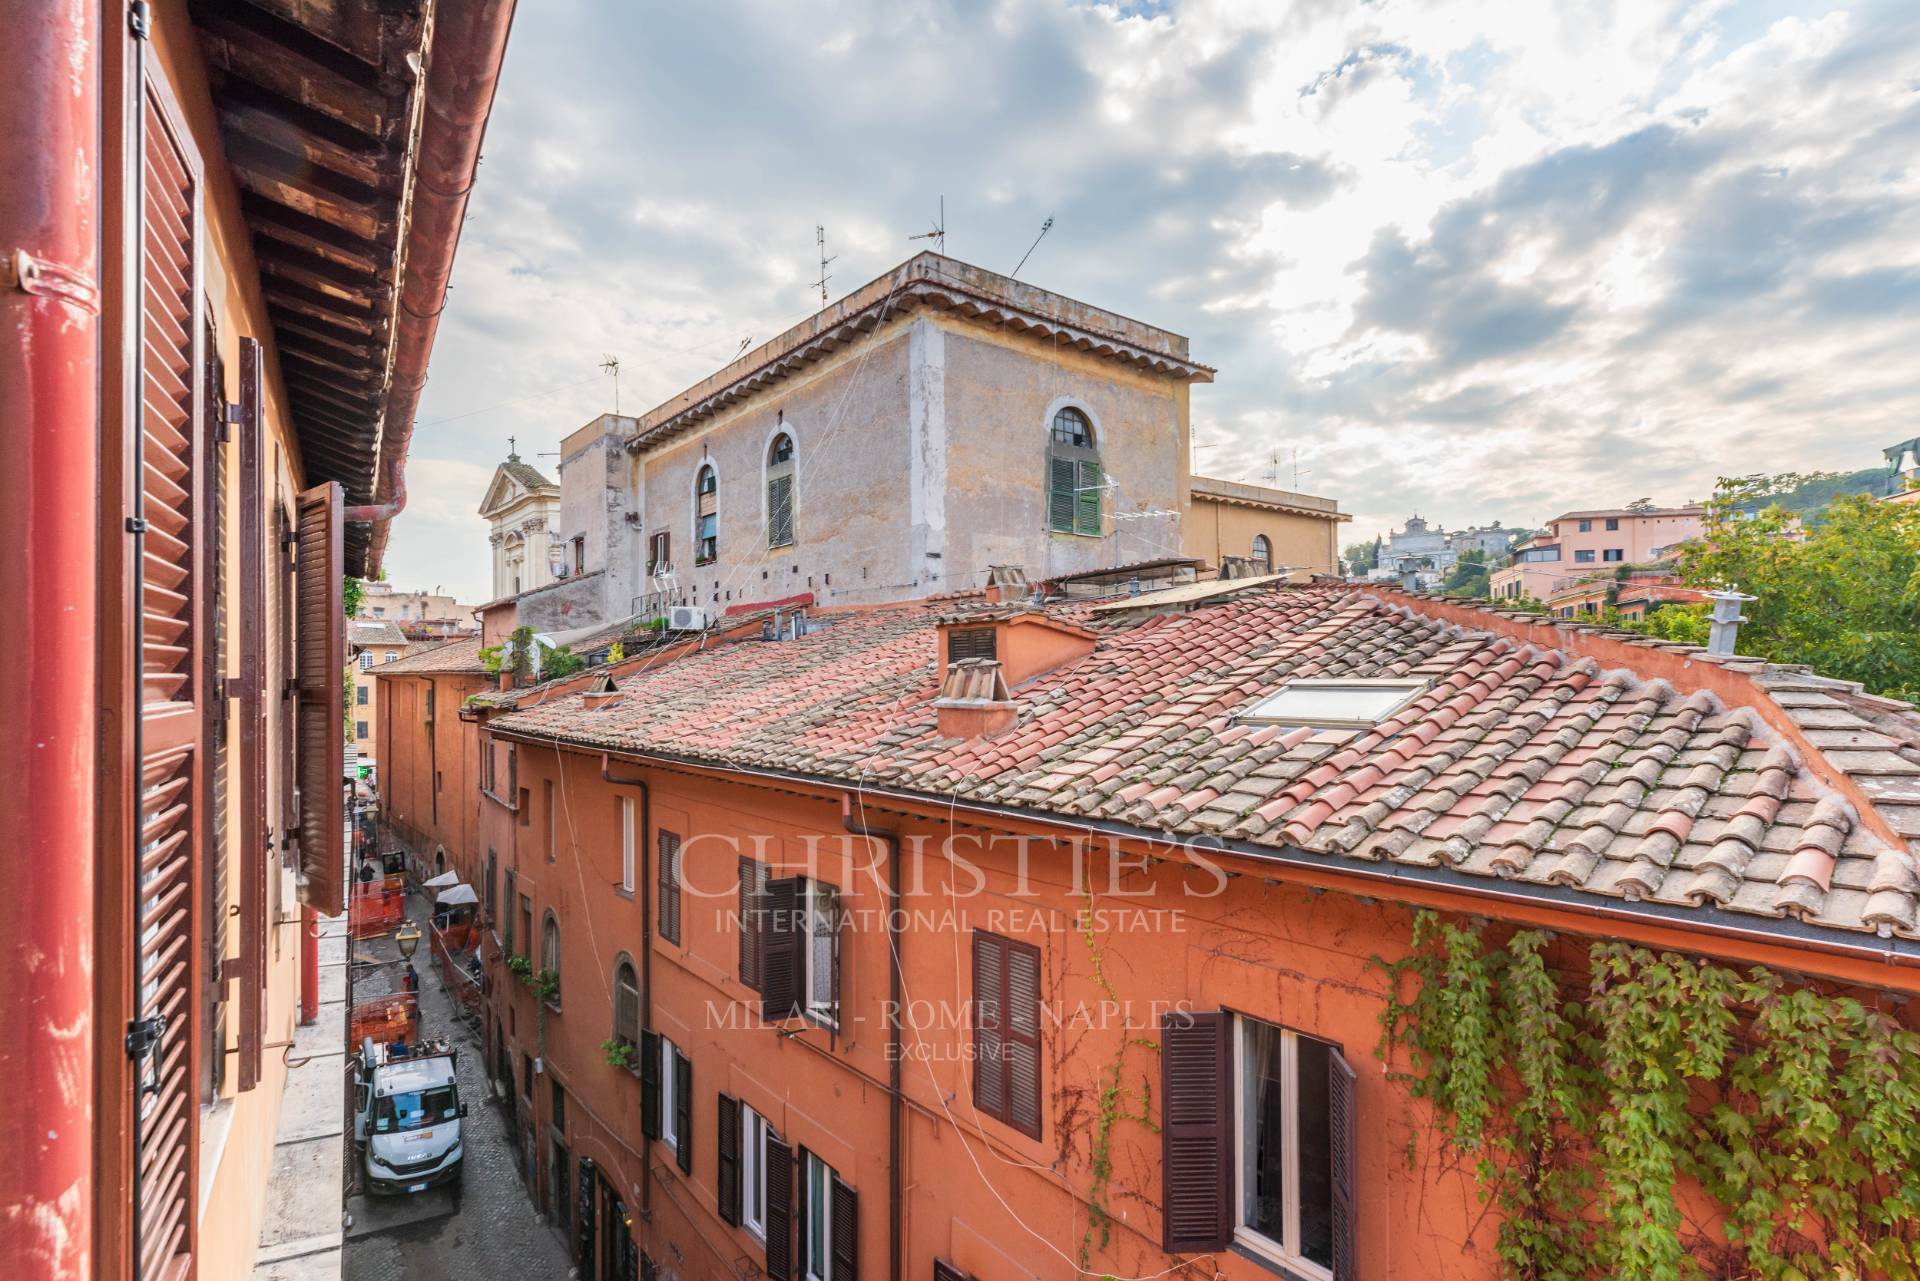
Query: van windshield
point(413, 1109)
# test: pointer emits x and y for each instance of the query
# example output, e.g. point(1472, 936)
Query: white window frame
point(1250, 1238)
point(669, 1098)
point(366, 660)
point(820, 1205)
point(390, 656)
point(753, 1171)
point(825, 1013)
point(1408, 688)
point(627, 861)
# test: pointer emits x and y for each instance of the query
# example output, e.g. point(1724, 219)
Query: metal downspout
point(896, 1177)
point(644, 875)
point(50, 422)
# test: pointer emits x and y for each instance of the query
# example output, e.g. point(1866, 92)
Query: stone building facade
point(522, 509)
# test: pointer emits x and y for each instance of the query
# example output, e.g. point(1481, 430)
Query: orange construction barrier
point(394, 1017)
point(375, 910)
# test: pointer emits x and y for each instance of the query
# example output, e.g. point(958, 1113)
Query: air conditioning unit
point(686, 618)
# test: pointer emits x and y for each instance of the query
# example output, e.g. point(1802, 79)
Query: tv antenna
point(820, 238)
point(612, 365)
point(939, 233)
point(1045, 227)
point(1273, 468)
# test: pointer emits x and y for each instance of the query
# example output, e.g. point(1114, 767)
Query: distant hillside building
point(1904, 461)
point(419, 614)
point(1583, 544)
point(370, 645)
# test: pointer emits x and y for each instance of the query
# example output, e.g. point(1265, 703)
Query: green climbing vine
point(1112, 1104)
point(1680, 1119)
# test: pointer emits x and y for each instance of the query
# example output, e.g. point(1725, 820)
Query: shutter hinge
point(236, 687)
point(140, 19)
point(143, 1035)
point(136, 525)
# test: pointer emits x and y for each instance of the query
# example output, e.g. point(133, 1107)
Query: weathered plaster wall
point(1001, 393)
point(562, 606)
point(849, 419)
point(594, 501)
point(1214, 529)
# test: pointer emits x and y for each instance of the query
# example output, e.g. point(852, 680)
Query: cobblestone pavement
point(493, 1231)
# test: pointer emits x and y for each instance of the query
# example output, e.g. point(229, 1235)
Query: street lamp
point(407, 938)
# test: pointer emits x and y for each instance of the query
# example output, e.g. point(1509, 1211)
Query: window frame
point(812, 919)
point(819, 1203)
point(1410, 689)
point(669, 1094)
point(1613, 556)
point(620, 963)
point(1282, 1254)
point(706, 548)
point(667, 857)
point(550, 951)
point(1262, 551)
point(754, 1132)
point(1084, 517)
point(629, 847)
point(777, 469)
point(997, 1054)
point(1583, 556)
point(366, 660)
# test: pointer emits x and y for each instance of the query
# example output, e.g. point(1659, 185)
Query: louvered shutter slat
point(989, 1055)
point(1022, 1021)
point(781, 938)
point(779, 1173)
point(650, 1084)
point(321, 653)
point(845, 1211)
point(1341, 1081)
point(1060, 473)
point(683, 1111)
point(726, 1127)
point(752, 878)
point(1086, 499)
point(1195, 1131)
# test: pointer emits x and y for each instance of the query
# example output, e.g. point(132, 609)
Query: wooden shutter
point(321, 650)
point(667, 850)
point(512, 878)
point(1340, 1106)
point(1195, 1130)
point(727, 1157)
point(779, 1166)
point(650, 1084)
point(173, 618)
point(989, 1021)
point(647, 1270)
point(781, 938)
point(256, 842)
point(584, 1218)
point(845, 1212)
point(1060, 474)
point(944, 1271)
point(683, 1110)
point(780, 511)
point(1022, 1033)
point(1086, 498)
point(830, 896)
point(213, 709)
point(972, 642)
point(753, 876)
point(802, 1216)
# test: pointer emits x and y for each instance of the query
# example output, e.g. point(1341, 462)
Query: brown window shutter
point(781, 938)
point(727, 1157)
point(213, 708)
point(650, 1084)
point(753, 878)
point(683, 1111)
point(972, 642)
point(322, 655)
point(255, 845)
point(1022, 1022)
point(944, 1271)
point(169, 794)
point(779, 1165)
point(1340, 1106)
point(989, 1022)
point(802, 1216)
point(1195, 1131)
point(667, 849)
point(846, 1232)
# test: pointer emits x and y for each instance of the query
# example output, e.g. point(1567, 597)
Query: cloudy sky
point(1479, 260)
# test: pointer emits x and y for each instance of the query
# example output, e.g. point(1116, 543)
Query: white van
point(407, 1116)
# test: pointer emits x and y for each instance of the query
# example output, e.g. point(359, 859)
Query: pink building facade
point(1589, 543)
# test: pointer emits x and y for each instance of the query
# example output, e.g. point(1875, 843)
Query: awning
point(456, 896)
point(443, 880)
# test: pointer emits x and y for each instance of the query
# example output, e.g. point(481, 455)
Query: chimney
point(601, 693)
point(1006, 583)
point(1724, 629)
point(1410, 580)
point(974, 702)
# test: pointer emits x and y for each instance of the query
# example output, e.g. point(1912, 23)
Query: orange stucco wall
point(429, 771)
point(1215, 529)
point(979, 1193)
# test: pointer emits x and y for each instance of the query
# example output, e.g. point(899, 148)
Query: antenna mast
point(612, 365)
point(820, 239)
point(1045, 227)
point(939, 233)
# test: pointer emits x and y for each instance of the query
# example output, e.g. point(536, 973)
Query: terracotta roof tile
point(1521, 761)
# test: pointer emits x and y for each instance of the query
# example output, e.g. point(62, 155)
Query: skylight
point(1340, 703)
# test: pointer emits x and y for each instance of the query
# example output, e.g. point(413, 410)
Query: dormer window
point(1073, 475)
point(1338, 703)
point(972, 642)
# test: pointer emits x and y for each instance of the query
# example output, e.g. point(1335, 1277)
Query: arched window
point(626, 1004)
point(706, 515)
point(550, 944)
point(780, 491)
point(1263, 553)
point(1073, 474)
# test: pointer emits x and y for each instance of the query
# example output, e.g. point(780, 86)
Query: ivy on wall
point(1596, 1121)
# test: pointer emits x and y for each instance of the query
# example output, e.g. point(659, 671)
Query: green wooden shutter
point(1086, 500)
point(1060, 478)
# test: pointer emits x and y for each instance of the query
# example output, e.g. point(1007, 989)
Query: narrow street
point(480, 1228)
